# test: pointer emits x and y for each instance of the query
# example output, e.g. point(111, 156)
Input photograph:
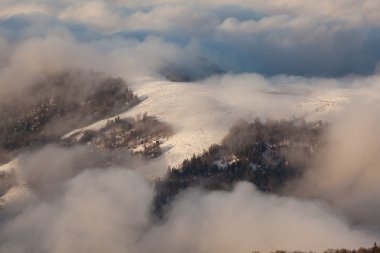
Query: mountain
point(58, 103)
point(269, 155)
point(191, 71)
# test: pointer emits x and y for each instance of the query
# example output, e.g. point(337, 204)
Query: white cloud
point(22, 9)
point(285, 37)
point(245, 221)
point(174, 19)
point(102, 210)
point(96, 13)
point(345, 172)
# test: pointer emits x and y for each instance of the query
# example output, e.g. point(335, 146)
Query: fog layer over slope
point(346, 172)
point(108, 209)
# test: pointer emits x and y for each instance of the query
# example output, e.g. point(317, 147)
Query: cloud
point(36, 57)
point(5, 49)
point(33, 59)
point(282, 97)
point(22, 9)
point(99, 211)
point(272, 37)
point(246, 220)
point(169, 20)
point(109, 209)
point(345, 172)
point(96, 13)
point(174, 21)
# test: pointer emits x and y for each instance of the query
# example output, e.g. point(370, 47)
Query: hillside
point(58, 103)
point(201, 114)
point(269, 155)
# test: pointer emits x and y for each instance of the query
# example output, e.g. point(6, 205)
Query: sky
point(328, 38)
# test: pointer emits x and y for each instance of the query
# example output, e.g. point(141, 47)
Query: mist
point(34, 58)
point(109, 209)
point(345, 172)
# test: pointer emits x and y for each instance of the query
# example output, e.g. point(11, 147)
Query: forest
point(268, 154)
point(58, 104)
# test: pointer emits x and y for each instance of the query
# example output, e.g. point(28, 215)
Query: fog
point(35, 58)
point(109, 209)
point(345, 172)
point(269, 59)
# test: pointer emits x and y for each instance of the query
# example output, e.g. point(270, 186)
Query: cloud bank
point(345, 172)
point(109, 209)
point(328, 38)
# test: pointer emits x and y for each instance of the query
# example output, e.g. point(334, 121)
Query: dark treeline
point(126, 134)
point(266, 154)
point(374, 249)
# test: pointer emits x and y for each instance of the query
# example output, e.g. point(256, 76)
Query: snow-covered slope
point(18, 191)
point(8, 167)
point(201, 114)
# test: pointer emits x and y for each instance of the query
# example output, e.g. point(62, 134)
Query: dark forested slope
point(266, 154)
point(59, 103)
